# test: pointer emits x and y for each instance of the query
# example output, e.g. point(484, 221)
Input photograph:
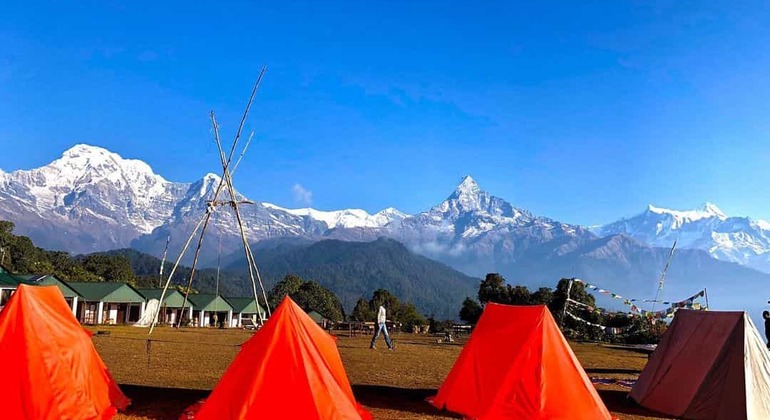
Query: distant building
point(206, 305)
point(319, 319)
point(245, 308)
point(8, 284)
point(108, 303)
point(70, 295)
point(171, 308)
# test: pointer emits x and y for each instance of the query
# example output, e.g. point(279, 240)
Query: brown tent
point(53, 369)
point(708, 365)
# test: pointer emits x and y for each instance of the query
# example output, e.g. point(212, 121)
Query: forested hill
point(349, 269)
point(19, 255)
point(356, 269)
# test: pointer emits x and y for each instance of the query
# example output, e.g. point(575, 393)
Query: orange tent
point(289, 369)
point(54, 371)
point(517, 365)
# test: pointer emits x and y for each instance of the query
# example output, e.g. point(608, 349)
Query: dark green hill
point(349, 269)
point(356, 269)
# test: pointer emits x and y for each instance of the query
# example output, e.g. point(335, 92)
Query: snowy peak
point(467, 186)
point(712, 209)
point(706, 211)
point(100, 162)
point(708, 228)
point(349, 219)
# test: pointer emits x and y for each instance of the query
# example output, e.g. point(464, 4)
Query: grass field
point(183, 365)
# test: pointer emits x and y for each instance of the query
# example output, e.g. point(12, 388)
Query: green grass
point(183, 365)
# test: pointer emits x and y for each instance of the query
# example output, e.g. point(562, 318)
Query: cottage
point(108, 303)
point(8, 284)
point(205, 306)
point(245, 308)
point(171, 308)
point(319, 319)
point(70, 295)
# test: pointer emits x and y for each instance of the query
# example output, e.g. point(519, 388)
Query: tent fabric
point(54, 370)
point(290, 369)
point(518, 365)
point(708, 365)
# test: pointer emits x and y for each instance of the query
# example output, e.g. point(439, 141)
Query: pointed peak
point(712, 208)
point(211, 177)
point(467, 185)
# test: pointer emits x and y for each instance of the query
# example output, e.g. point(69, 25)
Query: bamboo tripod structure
point(225, 183)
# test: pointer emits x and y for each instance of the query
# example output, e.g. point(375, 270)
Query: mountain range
point(93, 200)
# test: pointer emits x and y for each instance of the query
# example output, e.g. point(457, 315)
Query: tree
point(362, 311)
point(313, 296)
point(543, 296)
point(309, 295)
point(470, 311)
point(569, 326)
point(109, 267)
point(288, 286)
point(382, 297)
point(408, 315)
point(518, 295)
point(492, 289)
point(397, 311)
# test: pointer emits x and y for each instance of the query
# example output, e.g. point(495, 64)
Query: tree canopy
point(309, 295)
point(397, 311)
point(495, 289)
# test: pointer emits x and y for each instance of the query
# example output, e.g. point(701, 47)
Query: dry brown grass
point(185, 364)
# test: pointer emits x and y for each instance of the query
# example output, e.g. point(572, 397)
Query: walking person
point(381, 327)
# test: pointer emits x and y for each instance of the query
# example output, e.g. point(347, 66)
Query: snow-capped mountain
point(92, 199)
point(87, 200)
point(473, 229)
point(735, 239)
point(347, 219)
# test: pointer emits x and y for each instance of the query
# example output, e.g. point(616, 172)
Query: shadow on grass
point(399, 342)
point(619, 402)
point(160, 403)
point(632, 349)
point(613, 370)
point(403, 399)
point(169, 403)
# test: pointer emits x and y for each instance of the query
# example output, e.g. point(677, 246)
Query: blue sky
point(582, 113)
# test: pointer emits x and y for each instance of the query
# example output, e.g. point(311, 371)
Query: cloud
point(302, 195)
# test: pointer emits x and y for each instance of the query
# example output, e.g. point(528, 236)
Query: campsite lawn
point(183, 365)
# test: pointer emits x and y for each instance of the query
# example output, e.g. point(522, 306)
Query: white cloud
point(302, 195)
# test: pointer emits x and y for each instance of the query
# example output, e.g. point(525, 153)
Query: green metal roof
point(107, 292)
point(173, 298)
point(65, 288)
point(9, 280)
point(209, 303)
point(318, 318)
point(243, 305)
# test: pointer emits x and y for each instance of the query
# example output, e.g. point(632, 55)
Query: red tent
point(53, 370)
point(289, 369)
point(517, 365)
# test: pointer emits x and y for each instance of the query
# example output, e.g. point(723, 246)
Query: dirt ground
point(179, 367)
